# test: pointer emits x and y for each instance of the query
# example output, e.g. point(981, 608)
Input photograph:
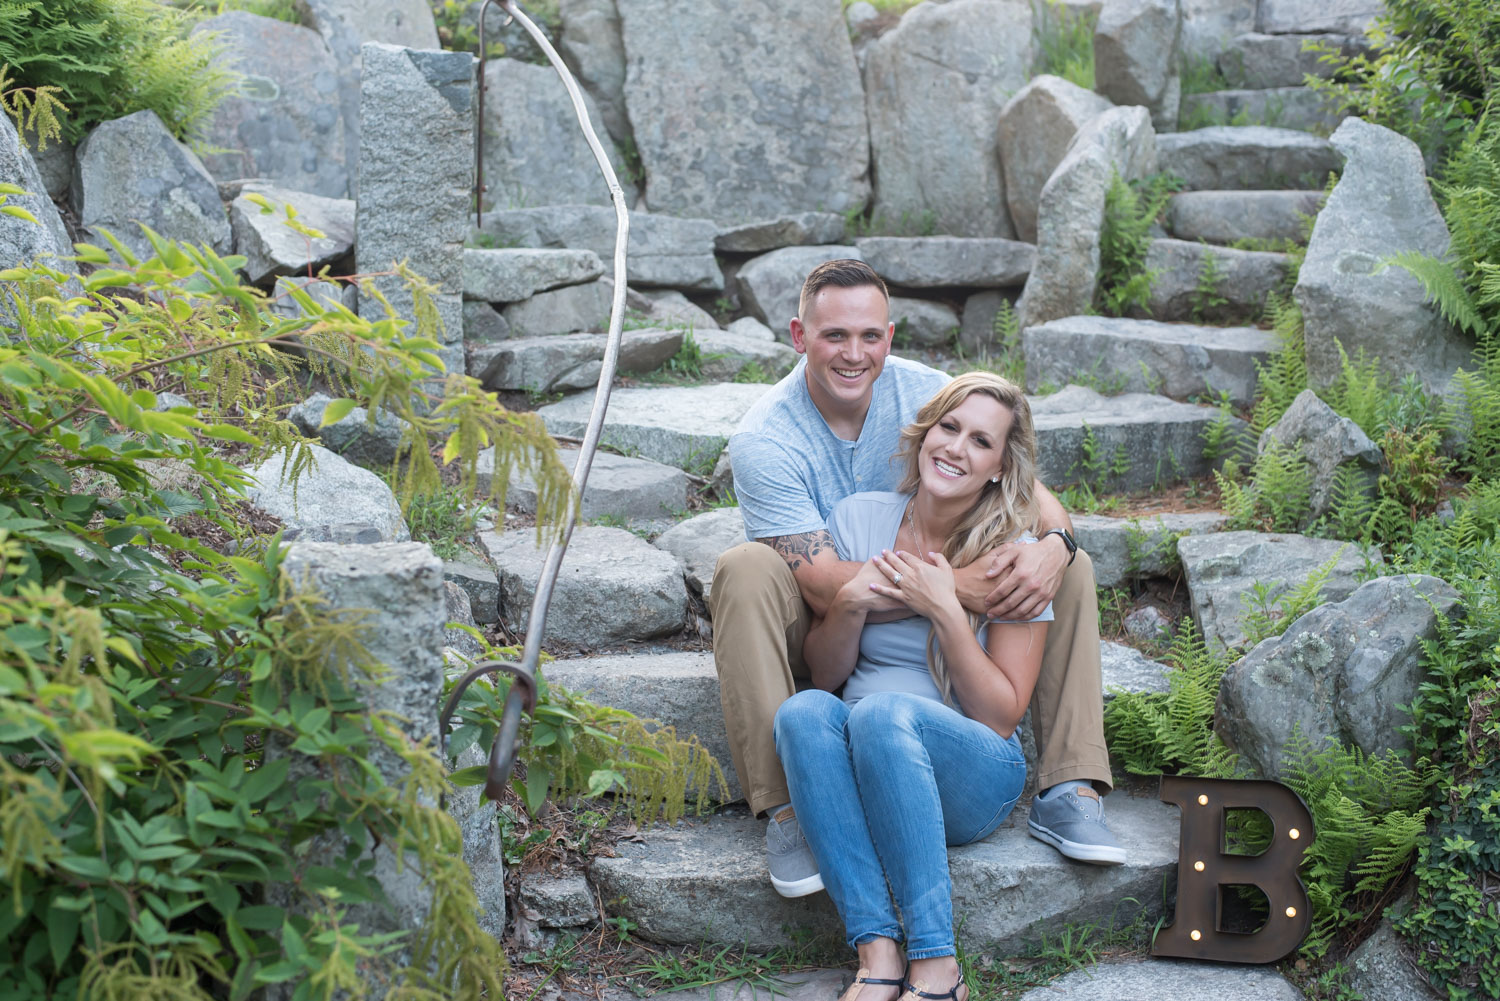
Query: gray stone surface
point(534, 151)
point(771, 284)
point(1226, 216)
point(334, 501)
point(130, 170)
point(325, 295)
point(683, 426)
point(1246, 278)
point(1380, 207)
point(725, 355)
point(620, 486)
point(22, 241)
point(513, 274)
point(1327, 441)
point(721, 113)
point(1135, 56)
point(1071, 212)
point(1126, 668)
point(561, 311)
point(54, 164)
point(1148, 625)
point(1143, 356)
point(1279, 107)
point(613, 587)
point(285, 125)
point(480, 583)
point(750, 329)
point(706, 881)
point(558, 901)
point(1158, 441)
point(1222, 568)
point(345, 26)
point(352, 435)
point(1126, 548)
point(679, 689)
point(948, 261)
point(416, 162)
point(483, 322)
point(671, 308)
point(1341, 671)
point(1208, 26)
point(660, 249)
point(923, 321)
point(1348, 17)
point(1383, 969)
point(976, 326)
point(1035, 129)
point(1154, 979)
point(459, 613)
point(1246, 157)
point(567, 361)
point(272, 248)
point(1262, 61)
point(796, 230)
point(937, 81)
point(592, 47)
point(699, 542)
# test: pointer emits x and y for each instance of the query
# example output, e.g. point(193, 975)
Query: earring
point(995, 478)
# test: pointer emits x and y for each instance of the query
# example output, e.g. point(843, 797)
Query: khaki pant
point(760, 621)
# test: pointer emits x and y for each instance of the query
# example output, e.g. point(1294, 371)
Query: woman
point(921, 752)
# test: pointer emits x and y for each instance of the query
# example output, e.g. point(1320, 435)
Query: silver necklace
point(911, 520)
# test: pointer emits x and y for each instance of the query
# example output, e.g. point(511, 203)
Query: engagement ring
point(896, 579)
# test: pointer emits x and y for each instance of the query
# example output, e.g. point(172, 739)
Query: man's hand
point(1026, 576)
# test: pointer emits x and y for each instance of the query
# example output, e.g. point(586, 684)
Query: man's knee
point(748, 568)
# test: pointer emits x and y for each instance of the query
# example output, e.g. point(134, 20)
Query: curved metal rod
point(502, 753)
point(479, 132)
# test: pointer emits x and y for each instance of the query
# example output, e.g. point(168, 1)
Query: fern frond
point(1445, 289)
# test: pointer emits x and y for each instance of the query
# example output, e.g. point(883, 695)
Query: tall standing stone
point(1380, 207)
point(1036, 127)
point(1135, 56)
point(592, 46)
point(23, 242)
point(416, 154)
point(934, 88)
point(745, 109)
point(285, 125)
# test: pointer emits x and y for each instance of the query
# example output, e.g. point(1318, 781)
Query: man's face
point(846, 337)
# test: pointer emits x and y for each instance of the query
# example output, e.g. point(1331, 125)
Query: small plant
point(1201, 75)
point(752, 372)
point(1206, 299)
point(1130, 210)
point(1268, 615)
point(1360, 391)
point(1064, 42)
point(1284, 375)
point(688, 361)
point(35, 110)
point(1221, 440)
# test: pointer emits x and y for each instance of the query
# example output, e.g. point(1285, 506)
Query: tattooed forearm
point(802, 550)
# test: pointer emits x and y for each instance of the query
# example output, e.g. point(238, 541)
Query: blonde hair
point(1003, 510)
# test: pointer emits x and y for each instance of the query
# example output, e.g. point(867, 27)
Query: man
point(830, 429)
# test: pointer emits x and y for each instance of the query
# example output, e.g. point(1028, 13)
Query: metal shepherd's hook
point(522, 693)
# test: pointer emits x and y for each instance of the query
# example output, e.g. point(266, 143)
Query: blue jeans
point(881, 788)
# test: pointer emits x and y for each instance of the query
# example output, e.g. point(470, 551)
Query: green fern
point(1130, 210)
point(1284, 375)
point(1445, 288)
point(1359, 393)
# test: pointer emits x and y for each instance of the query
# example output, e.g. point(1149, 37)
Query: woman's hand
point(927, 588)
point(863, 590)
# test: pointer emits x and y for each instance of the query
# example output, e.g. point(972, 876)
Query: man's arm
point(1016, 581)
point(820, 573)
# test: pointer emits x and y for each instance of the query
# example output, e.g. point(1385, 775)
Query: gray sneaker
point(1073, 823)
point(794, 871)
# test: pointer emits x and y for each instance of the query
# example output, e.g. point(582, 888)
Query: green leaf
point(473, 776)
point(62, 931)
point(337, 411)
point(264, 780)
point(19, 213)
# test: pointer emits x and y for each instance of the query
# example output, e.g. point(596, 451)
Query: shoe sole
point(1095, 854)
point(798, 887)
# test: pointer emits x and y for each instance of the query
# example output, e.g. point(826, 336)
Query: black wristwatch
point(1068, 541)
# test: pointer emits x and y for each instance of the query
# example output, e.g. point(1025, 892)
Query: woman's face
point(964, 448)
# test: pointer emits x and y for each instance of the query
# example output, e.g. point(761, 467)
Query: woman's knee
point(884, 713)
point(806, 712)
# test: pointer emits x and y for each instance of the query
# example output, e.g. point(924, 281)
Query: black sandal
point(908, 987)
point(876, 981)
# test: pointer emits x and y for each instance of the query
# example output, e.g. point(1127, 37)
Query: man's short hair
point(844, 273)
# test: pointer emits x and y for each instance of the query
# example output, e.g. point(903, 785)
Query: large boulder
point(699, 542)
point(948, 261)
point(1342, 671)
point(285, 125)
point(1035, 129)
point(1135, 56)
point(721, 113)
point(771, 284)
point(1071, 213)
point(561, 310)
point(566, 362)
point(1381, 207)
point(131, 171)
point(23, 242)
point(416, 158)
point(1302, 17)
point(1223, 568)
point(613, 587)
point(1246, 158)
point(332, 501)
point(619, 486)
point(799, 229)
point(592, 46)
point(354, 436)
point(272, 248)
point(937, 81)
point(534, 151)
point(660, 250)
point(923, 321)
point(683, 426)
point(1327, 441)
point(1208, 25)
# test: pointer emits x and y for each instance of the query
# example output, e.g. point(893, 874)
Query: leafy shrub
point(1064, 39)
point(1130, 210)
point(109, 58)
point(1277, 496)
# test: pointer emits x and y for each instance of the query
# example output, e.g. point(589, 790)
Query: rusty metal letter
point(1203, 869)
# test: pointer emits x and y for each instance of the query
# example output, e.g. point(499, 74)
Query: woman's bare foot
point(939, 976)
point(879, 959)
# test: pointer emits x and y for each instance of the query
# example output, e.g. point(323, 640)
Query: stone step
point(1144, 356)
point(1139, 441)
point(948, 261)
point(1298, 108)
point(699, 542)
point(513, 274)
point(683, 426)
point(565, 362)
point(1154, 979)
point(620, 486)
point(1257, 61)
point(1226, 216)
point(1122, 548)
point(705, 881)
point(1248, 157)
point(1182, 287)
